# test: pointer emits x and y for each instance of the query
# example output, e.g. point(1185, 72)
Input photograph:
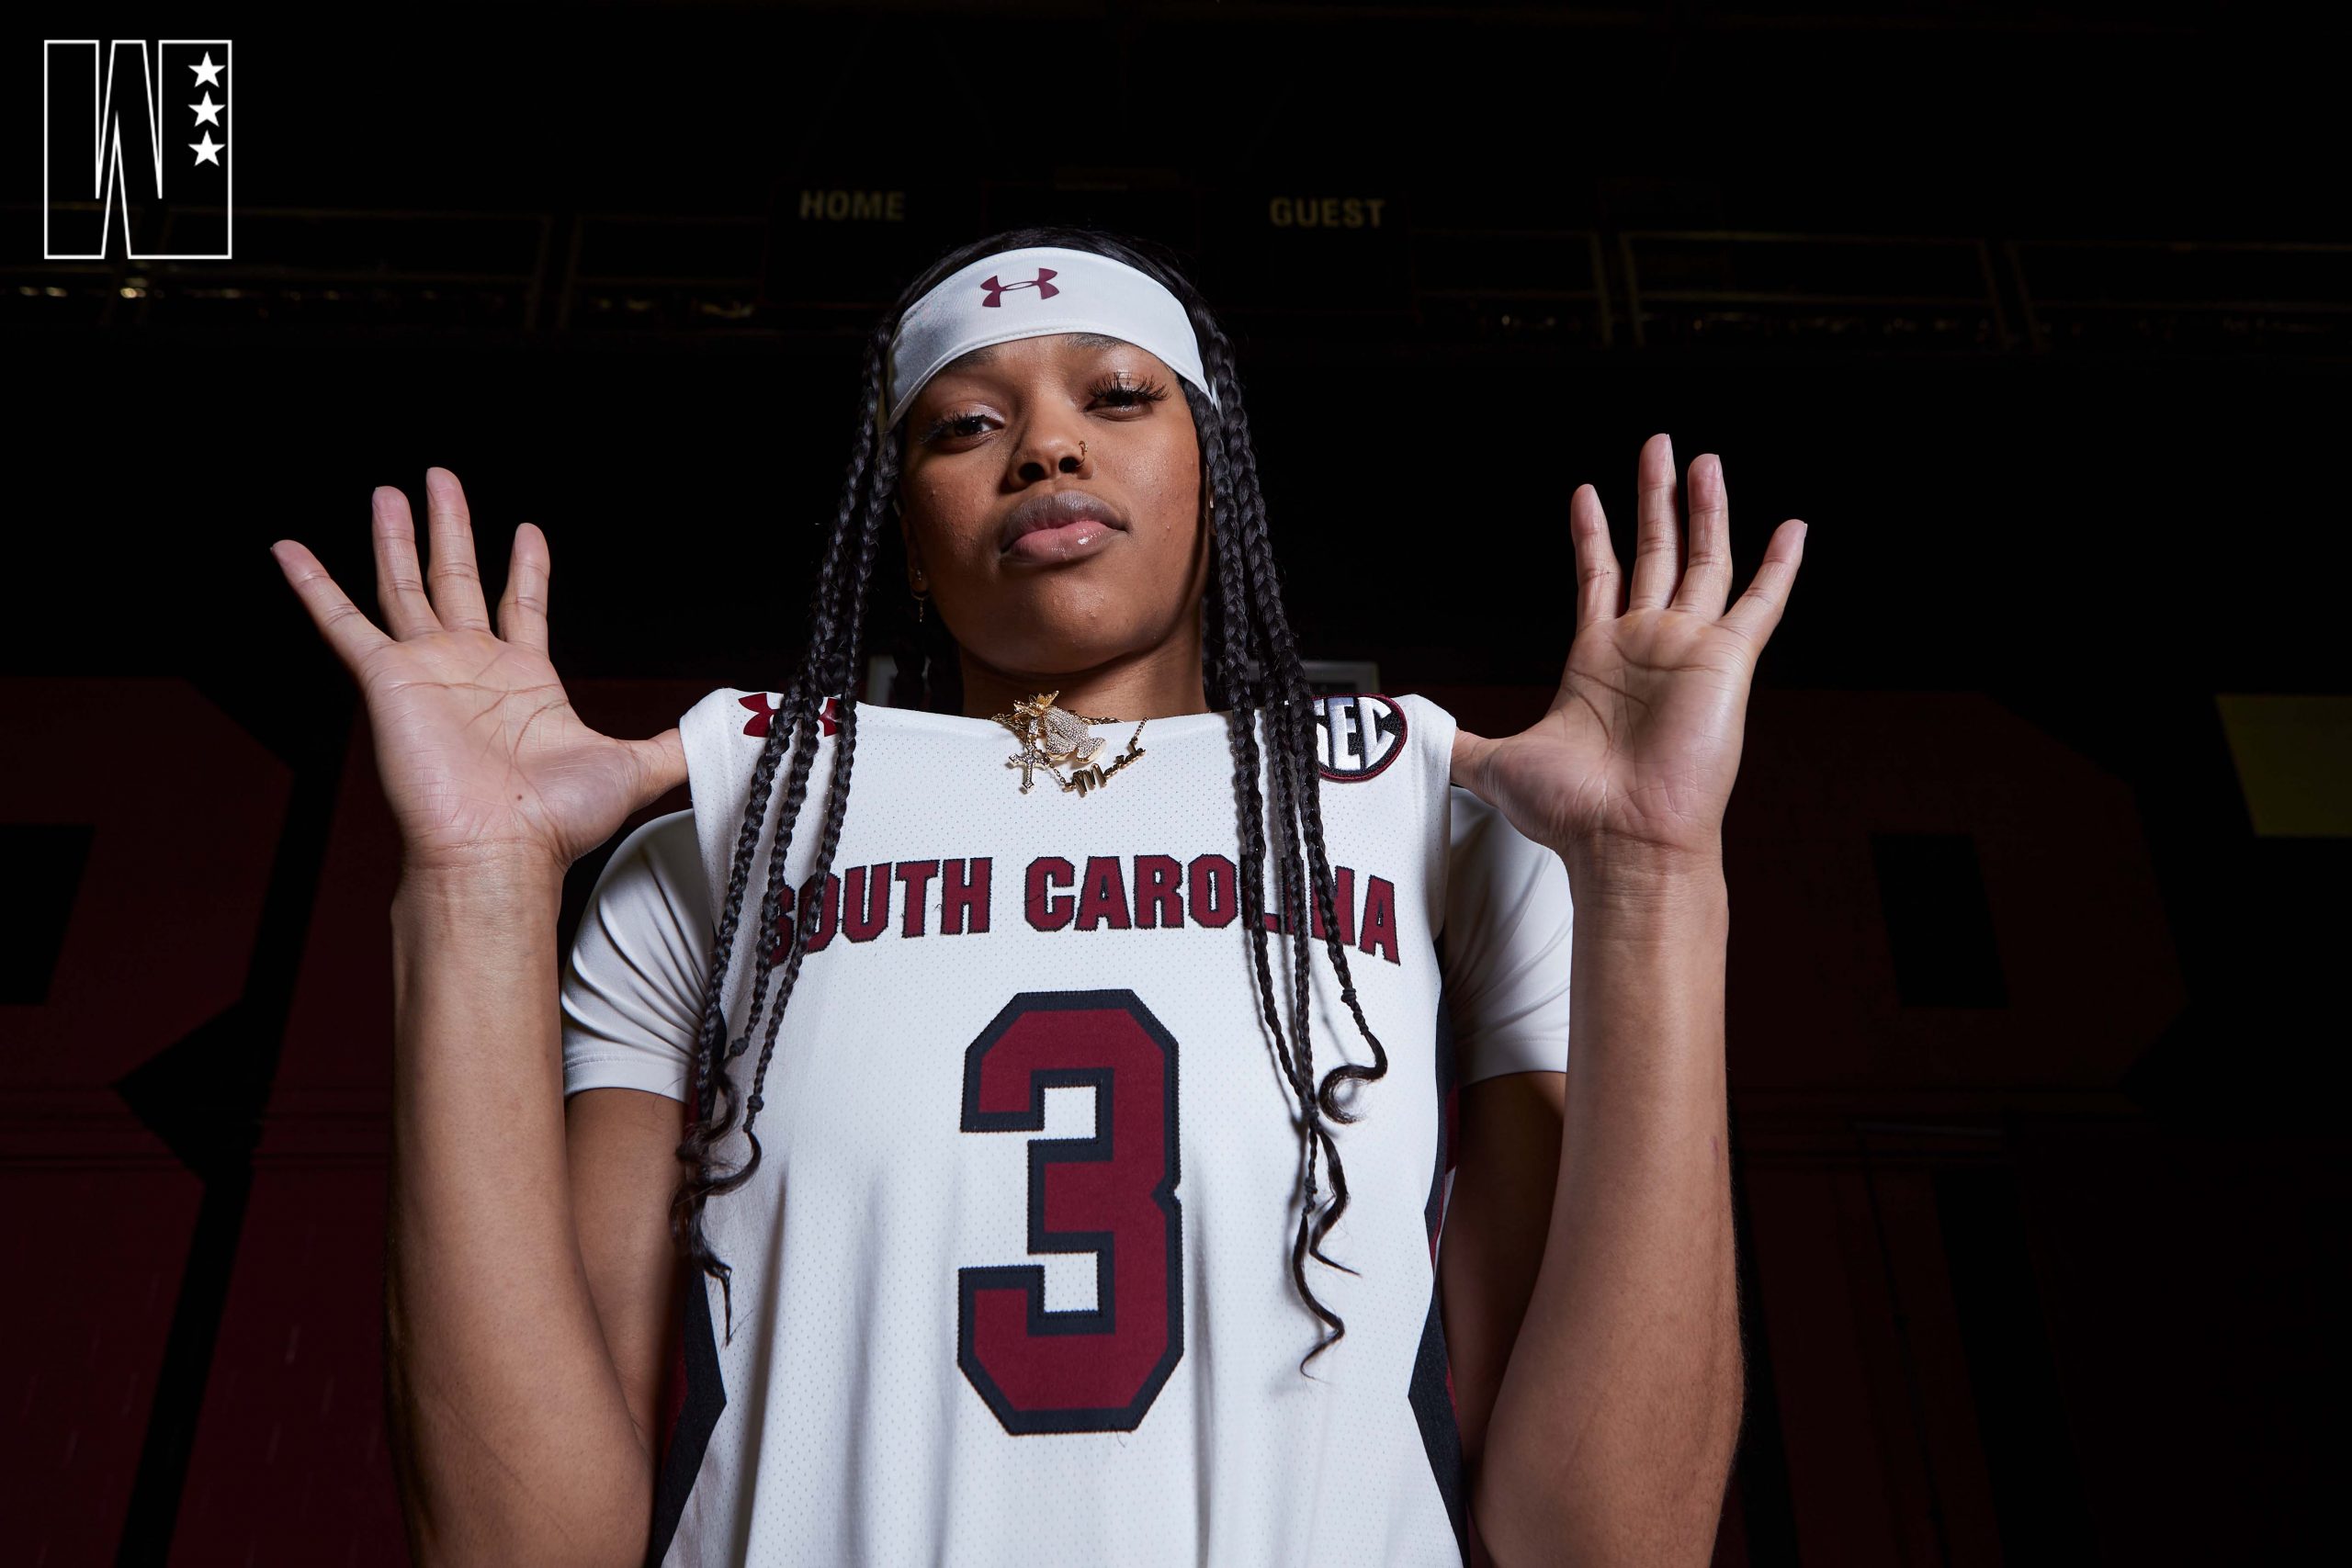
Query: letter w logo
point(136, 150)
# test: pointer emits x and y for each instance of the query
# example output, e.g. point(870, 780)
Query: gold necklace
point(1053, 737)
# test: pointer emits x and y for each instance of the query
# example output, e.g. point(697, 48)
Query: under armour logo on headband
point(1097, 294)
point(996, 291)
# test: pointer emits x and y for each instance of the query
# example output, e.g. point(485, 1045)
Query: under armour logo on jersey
point(762, 706)
point(997, 292)
point(1356, 734)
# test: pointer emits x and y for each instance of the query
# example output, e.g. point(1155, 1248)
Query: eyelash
point(1137, 394)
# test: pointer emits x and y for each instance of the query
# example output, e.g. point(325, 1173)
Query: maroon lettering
point(1102, 900)
point(1213, 886)
point(828, 910)
point(1159, 899)
point(865, 902)
point(1046, 912)
point(1380, 918)
point(964, 895)
point(1343, 905)
point(917, 876)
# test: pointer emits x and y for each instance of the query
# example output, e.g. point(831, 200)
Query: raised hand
point(482, 760)
point(1636, 756)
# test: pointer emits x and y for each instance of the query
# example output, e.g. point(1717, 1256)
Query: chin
point(1049, 662)
point(1070, 618)
point(1075, 601)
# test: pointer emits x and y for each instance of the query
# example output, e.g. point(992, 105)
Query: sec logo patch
point(1356, 734)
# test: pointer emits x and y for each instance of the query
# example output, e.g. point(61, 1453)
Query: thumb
point(661, 766)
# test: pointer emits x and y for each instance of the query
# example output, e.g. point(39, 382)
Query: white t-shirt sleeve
point(632, 989)
point(1505, 946)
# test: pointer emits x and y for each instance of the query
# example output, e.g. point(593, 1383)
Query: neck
point(1159, 683)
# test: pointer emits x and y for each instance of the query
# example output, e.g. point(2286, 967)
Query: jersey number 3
point(1112, 1195)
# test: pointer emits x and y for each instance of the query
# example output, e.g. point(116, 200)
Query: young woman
point(1128, 1022)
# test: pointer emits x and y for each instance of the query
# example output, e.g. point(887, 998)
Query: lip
point(1058, 526)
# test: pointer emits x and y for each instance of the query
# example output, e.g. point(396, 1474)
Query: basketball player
point(1017, 1126)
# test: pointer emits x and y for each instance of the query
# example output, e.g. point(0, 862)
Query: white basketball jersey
point(1012, 1285)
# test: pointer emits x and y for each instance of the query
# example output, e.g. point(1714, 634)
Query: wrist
point(506, 861)
point(1640, 895)
point(489, 891)
point(1642, 867)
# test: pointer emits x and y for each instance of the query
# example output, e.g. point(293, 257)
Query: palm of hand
point(1641, 741)
point(525, 768)
point(481, 754)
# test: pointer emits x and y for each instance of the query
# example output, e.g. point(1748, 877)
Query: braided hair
point(1250, 665)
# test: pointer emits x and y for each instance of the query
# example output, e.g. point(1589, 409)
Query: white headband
point(1032, 293)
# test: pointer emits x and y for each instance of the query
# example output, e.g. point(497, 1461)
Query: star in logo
point(208, 109)
point(207, 74)
point(207, 151)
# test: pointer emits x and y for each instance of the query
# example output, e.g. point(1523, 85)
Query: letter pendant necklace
point(1053, 737)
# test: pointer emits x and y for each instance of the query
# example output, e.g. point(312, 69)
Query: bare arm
point(624, 1169)
point(520, 1437)
point(1496, 1221)
point(513, 1431)
point(1612, 1435)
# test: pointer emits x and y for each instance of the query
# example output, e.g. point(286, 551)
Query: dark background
point(2038, 314)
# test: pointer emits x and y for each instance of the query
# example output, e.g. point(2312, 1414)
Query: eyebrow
point(979, 358)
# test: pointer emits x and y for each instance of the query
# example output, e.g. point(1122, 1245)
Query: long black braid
point(1249, 665)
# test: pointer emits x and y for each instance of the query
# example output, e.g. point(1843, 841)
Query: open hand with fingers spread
point(483, 759)
point(1636, 756)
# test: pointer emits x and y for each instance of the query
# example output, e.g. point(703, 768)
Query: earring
point(922, 600)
